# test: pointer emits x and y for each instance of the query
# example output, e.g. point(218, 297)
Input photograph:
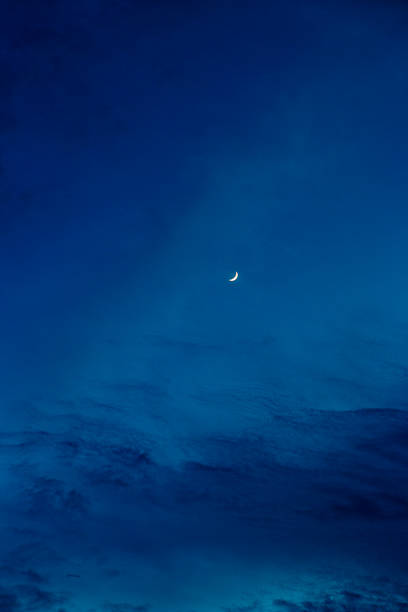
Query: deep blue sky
point(169, 441)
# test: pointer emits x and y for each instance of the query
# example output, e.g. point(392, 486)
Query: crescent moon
point(234, 278)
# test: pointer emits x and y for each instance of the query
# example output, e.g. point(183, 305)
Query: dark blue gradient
point(170, 441)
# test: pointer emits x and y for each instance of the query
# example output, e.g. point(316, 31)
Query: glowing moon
point(234, 278)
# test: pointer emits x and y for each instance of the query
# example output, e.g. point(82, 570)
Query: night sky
point(171, 441)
